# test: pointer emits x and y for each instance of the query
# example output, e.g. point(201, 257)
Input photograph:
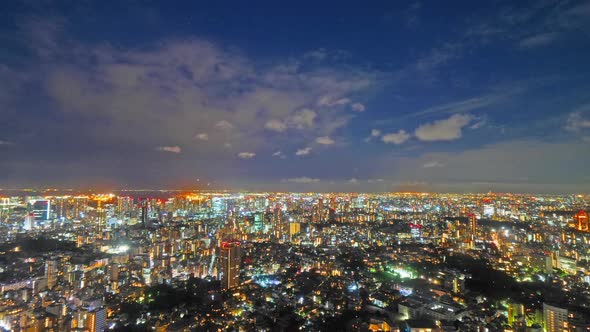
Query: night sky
point(457, 96)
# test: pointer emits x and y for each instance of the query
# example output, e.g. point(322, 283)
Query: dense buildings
point(171, 261)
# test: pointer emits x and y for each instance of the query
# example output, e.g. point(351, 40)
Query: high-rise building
point(91, 320)
point(473, 230)
point(51, 273)
point(29, 222)
point(42, 210)
point(230, 259)
point(555, 318)
point(96, 320)
point(294, 228)
point(581, 221)
point(144, 213)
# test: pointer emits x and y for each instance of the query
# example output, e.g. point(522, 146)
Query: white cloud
point(433, 164)
point(358, 107)
point(478, 125)
point(396, 138)
point(279, 154)
point(353, 181)
point(224, 124)
point(173, 149)
point(538, 40)
point(302, 119)
point(443, 130)
point(375, 180)
point(329, 101)
point(5, 143)
point(576, 122)
point(317, 55)
point(303, 179)
point(202, 137)
point(303, 151)
point(324, 140)
point(207, 86)
point(375, 133)
point(471, 104)
point(275, 125)
point(246, 155)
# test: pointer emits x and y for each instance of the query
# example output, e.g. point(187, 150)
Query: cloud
point(324, 140)
point(477, 125)
point(173, 149)
point(330, 101)
point(302, 119)
point(438, 56)
point(506, 163)
point(202, 87)
point(322, 54)
point(470, 104)
point(275, 125)
point(358, 107)
point(538, 40)
point(433, 164)
point(317, 55)
point(576, 121)
point(353, 181)
point(224, 125)
point(5, 142)
point(246, 155)
point(396, 138)
point(303, 151)
point(374, 133)
point(279, 154)
point(443, 130)
point(202, 137)
point(411, 14)
point(375, 180)
point(303, 179)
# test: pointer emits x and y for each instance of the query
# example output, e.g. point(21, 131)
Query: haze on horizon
point(404, 96)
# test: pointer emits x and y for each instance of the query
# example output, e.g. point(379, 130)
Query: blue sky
point(339, 96)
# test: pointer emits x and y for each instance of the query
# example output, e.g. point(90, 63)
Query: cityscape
point(209, 261)
point(281, 166)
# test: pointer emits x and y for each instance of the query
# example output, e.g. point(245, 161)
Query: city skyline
point(332, 97)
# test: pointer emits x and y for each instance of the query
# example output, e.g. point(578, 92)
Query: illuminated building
point(294, 228)
point(581, 220)
point(51, 273)
point(489, 210)
point(230, 259)
point(144, 213)
point(555, 318)
point(90, 320)
point(42, 210)
point(96, 320)
point(29, 222)
point(473, 230)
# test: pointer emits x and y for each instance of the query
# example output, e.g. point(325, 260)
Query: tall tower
point(473, 230)
point(277, 225)
point(230, 259)
point(51, 273)
point(144, 213)
point(581, 220)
